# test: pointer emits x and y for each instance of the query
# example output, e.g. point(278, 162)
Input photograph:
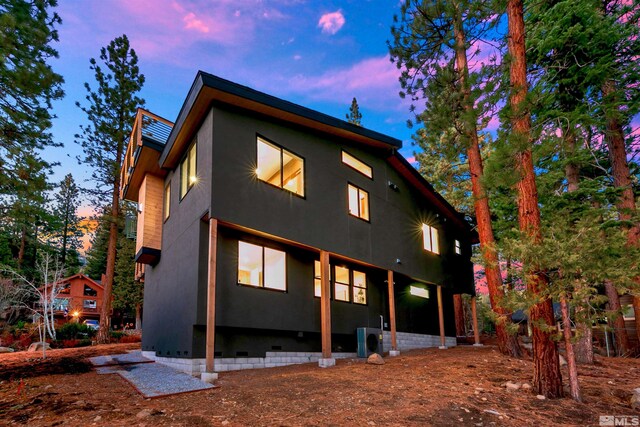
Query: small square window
point(280, 167)
point(358, 202)
point(457, 247)
point(430, 238)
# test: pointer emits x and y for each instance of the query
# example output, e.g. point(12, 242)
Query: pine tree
point(69, 232)
point(111, 109)
point(354, 116)
point(431, 46)
point(28, 84)
point(547, 379)
point(127, 293)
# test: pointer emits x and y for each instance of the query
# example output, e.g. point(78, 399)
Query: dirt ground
point(457, 386)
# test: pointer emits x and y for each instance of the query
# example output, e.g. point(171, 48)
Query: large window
point(261, 267)
point(280, 167)
point(348, 285)
point(430, 238)
point(188, 173)
point(167, 200)
point(358, 202)
point(356, 164)
point(89, 304)
point(89, 291)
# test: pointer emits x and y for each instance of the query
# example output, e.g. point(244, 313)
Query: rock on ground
point(635, 399)
point(37, 346)
point(375, 359)
point(6, 350)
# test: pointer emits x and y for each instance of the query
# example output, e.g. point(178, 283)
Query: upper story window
point(457, 248)
point(358, 202)
point(356, 164)
point(261, 267)
point(430, 238)
point(167, 200)
point(280, 167)
point(188, 173)
point(65, 289)
point(89, 291)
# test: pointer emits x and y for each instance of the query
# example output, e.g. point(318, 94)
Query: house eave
point(208, 89)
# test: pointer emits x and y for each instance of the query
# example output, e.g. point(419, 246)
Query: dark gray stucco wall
point(321, 219)
point(172, 296)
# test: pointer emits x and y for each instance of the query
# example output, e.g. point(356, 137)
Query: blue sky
point(319, 54)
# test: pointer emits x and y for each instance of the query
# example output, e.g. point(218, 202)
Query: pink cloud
point(373, 81)
point(192, 22)
point(331, 22)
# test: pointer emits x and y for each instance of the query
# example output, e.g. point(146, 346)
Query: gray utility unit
point(369, 341)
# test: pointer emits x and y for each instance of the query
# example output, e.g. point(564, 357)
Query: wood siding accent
point(325, 305)
point(149, 232)
point(211, 295)
point(441, 317)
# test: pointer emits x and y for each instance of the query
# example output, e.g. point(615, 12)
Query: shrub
point(84, 343)
point(130, 338)
point(70, 343)
point(116, 335)
point(70, 331)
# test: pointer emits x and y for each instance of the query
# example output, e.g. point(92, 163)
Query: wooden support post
point(325, 311)
point(441, 318)
point(209, 375)
point(474, 314)
point(458, 310)
point(392, 314)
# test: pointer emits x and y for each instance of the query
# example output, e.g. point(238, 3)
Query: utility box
point(369, 341)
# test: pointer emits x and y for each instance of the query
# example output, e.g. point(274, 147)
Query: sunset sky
point(319, 54)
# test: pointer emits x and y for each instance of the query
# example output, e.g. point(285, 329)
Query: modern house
point(268, 233)
point(80, 298)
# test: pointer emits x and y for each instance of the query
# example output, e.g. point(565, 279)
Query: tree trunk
point(138, 317)
point(458, 311)
point(65, 231)
point(547, 379)
point(584, 345)
point(105, 313)
point(622, 339)
point(507, 343)
point(626, 203)
point(574, 386)
point(23, 243)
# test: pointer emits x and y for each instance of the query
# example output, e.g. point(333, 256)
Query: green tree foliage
point(68, 231)
point(97, 253)
point(354, 116)
point(127, 293)
point(28, 84)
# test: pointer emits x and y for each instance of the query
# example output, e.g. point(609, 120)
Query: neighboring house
point(79, 297)
point(268, 233)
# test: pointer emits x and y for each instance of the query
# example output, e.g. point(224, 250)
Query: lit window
point(188, 176)
point(261, 267)
point(280, 167)
point(419, 292)
point(358, 202)
point(430, 238)
point(359, 287)
point(167, 200)
point(457, 247)
point(341, 292)
point(317, 279)
point(356, 164)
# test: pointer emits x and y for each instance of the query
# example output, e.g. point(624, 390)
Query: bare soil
point(458, 386)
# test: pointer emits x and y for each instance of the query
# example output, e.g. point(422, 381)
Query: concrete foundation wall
point(408, 341)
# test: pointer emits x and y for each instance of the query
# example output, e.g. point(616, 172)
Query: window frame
point(333, 282)
point(358, 189)
point(282, 151)
point(262, 286)
point(185, 161)
point(430, 249)
point(167, 202)
point(342, 154)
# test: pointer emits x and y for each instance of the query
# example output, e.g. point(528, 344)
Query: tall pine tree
point(110, 110)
